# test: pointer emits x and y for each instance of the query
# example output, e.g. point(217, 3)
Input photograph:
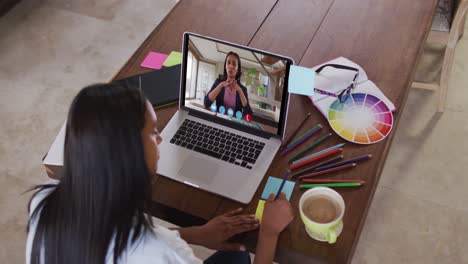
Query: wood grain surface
point(385, 37)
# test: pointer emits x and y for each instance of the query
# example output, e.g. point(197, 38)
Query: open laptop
point(230, 124)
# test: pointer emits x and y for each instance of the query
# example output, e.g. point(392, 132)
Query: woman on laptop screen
point(227, 91)
point(96, 212)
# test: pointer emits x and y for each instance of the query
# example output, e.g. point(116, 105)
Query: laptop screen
point(235, 83)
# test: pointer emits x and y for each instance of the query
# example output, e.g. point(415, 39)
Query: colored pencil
point(297, 129)
point(315, 158)
point(342, 184)
point(285, 177)
point(319, 152)
point(303, 139)
point(329, 181)
point(344, 162)
point(316, 143)
point(318, 173)
point(302, 136)
point(323, 163)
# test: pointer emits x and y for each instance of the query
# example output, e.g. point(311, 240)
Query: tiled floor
point(50, 49)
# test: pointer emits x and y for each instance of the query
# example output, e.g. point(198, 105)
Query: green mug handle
point(332, 235)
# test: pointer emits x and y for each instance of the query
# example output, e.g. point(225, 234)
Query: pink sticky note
point(154, 60)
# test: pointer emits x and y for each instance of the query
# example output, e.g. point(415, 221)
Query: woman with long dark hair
point(227, 91)
point(95, 213)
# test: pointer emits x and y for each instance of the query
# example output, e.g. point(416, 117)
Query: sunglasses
point(345, 93)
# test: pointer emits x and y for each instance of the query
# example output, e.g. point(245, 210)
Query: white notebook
point(55, 154)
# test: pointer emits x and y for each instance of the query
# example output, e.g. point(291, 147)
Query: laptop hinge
point(230, 124)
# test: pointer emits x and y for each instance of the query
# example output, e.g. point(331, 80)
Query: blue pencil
point(319, 152)
point(285, 177)
point(316, 143)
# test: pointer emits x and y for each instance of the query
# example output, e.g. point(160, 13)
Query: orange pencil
point(347, 166)
point(329, 181)
point(315, 158)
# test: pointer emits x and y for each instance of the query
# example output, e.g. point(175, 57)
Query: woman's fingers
point(282, 196)
point(233, 212)
point(244, 219)
point(271, 197)
point(249, 227)
point(242, 228)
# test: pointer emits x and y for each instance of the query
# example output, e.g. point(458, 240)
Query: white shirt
point(164, 246)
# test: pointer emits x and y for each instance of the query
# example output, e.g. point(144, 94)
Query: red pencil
point(347, 166)
point(329, 181)
point(315, 158)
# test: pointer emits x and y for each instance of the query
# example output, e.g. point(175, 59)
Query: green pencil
point(347, 184)
point(305, 134)
point(320, 140)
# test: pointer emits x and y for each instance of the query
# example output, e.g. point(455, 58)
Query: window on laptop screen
point(235, 83)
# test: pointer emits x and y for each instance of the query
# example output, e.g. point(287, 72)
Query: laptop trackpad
point(199, 170)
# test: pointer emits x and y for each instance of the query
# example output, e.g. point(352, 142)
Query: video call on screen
point(235, 84)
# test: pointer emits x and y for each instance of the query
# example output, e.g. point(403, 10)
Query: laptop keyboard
point(218, 143)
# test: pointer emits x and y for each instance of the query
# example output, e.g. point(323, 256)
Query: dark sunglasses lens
point(344, 96)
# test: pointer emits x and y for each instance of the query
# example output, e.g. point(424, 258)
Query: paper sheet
point(55, 154)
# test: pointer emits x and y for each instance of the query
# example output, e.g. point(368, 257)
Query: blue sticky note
point(301, 80)
point(273, 185)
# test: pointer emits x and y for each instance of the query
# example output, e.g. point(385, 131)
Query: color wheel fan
point(361, 119)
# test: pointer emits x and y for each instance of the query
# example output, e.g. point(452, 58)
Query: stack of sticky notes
point(155, 60)
point(272, 186)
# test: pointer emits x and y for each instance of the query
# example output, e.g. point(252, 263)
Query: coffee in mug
point(322, 210)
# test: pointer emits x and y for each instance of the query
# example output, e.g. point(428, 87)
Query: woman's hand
point(215, 233)
point(214, 93)
point(234, 86)
point(226, 83)
point(277, 215)
point(222, 227)
point(230, 84)
point(237, 87)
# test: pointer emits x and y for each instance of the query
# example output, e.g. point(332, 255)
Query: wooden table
point(385, 37)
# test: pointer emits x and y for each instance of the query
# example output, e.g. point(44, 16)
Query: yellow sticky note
point(174, 58)
point(259, 211)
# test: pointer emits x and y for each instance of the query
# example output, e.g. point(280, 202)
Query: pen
point(285, 177)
